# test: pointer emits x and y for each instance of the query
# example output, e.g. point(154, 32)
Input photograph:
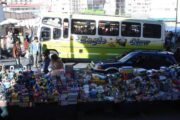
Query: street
point(99, 111)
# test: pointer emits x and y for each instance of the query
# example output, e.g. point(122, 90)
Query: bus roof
point(97, 17)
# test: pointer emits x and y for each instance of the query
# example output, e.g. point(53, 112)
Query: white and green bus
point(98, 37)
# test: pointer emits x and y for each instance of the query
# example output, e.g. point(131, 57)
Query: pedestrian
point(34, 49)
point(17, 52)
point(26, 47)
point(46, 61)
point(29, 55)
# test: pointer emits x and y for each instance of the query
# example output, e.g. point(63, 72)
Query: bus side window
point(66, 28)
point(83, 27)
point(131, 29)
point(45, 33)
point(151, 30)
point(108, 28)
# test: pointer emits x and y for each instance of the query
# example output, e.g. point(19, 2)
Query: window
point(159, 61)
point(108, 28)
point(151, 31)
point(65, 28)
point(131, 29)
point(140, 60)
point(45, 33)
point(83, 27)
point(55, 21)
point(56, 33)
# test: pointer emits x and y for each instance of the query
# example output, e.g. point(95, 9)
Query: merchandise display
point(78, 84)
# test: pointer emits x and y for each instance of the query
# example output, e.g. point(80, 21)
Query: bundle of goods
point(137, 84)
point(78, 84)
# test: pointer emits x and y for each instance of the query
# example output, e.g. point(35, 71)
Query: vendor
point(46, 62)
point(56, 66)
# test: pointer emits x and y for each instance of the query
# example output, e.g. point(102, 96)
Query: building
point(96, 4)
point(156, 9)
point(2, 17)
point(110, 7)
point(21, 6)
point(64, 6)
point(165, 10)
point(138, 8)
point(120, 7)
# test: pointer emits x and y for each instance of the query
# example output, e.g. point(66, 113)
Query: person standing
point(29, 55)
point(17, 52)
point(26, 47)
point(35, 48)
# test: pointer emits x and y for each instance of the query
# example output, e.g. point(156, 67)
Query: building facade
point(64, 6)
point(137, 8)
point(21, 6)
point(163, 9)
point(2, 17)
point(96, 4)
point(158, 9)
point(120, 7)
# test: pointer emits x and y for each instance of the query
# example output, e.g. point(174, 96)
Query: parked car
point(137, 59)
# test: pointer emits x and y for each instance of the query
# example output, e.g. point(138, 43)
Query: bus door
point(66, 29)
point(45, 35)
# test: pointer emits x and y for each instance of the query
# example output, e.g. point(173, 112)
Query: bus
point(96, 37)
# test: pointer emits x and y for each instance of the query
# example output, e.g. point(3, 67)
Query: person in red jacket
point(26, 44)
point(17, 52)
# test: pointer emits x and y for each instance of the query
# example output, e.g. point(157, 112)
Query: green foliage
point(90, 11)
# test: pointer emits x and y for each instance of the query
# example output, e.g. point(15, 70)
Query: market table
point(75, 90)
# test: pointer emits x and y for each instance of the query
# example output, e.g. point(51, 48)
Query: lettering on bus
point(138, 42)
point(93, 41)
point(112, 42)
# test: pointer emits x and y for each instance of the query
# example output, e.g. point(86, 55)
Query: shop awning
point(9, 21)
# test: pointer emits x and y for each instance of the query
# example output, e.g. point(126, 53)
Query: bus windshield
point(54, 21)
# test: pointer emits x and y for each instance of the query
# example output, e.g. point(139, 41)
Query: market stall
point(79, 85)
